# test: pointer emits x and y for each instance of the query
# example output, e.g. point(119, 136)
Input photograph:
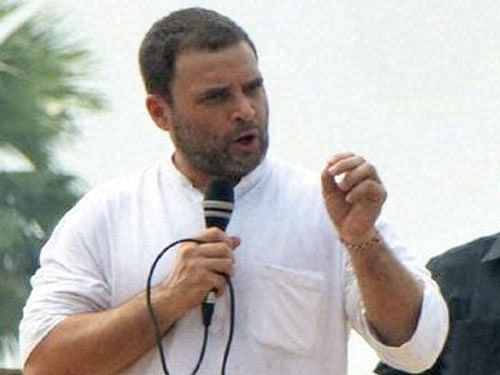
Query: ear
point(160, 111)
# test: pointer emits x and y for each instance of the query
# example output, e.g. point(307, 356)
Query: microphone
point(218, 205)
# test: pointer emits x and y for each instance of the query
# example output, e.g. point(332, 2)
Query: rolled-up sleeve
point(423, 348)
point(70, 279)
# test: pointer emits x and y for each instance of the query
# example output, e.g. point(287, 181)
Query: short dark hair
point(191, 28)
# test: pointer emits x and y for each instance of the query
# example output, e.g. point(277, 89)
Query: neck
point(198, 179)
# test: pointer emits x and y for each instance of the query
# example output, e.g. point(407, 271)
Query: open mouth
point(246, 140)
point(247, 137)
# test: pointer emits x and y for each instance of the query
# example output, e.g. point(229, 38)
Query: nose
point(244, 109)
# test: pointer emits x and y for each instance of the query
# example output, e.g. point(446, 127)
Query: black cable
point(206, 319)
point(202, 353)
point(150, 306)
point(231, 325)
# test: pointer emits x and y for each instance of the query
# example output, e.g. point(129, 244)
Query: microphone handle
point(207, 308)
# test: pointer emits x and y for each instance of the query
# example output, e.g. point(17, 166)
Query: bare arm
point(108, 341)
point(391, 295)
point(101, 342)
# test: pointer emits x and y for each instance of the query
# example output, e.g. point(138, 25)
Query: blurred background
point(412, 86)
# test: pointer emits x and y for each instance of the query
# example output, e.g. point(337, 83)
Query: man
point(469, 276)
point(298, 289)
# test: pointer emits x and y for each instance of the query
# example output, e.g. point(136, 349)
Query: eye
point(254, 87)
point(217, 95)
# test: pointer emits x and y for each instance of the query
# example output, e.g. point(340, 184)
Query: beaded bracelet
point(375, 240)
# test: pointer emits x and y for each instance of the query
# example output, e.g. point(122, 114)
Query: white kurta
point(296, 295)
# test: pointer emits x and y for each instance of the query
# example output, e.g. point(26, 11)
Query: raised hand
point(354, 195)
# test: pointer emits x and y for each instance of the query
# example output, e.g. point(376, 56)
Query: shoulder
point(464, 255)
point(292, 189)
point(116, 192)
point(293, 176)
point(294, 185)
point(124, 186)
point(129, 182)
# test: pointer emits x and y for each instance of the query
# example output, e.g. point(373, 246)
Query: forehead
point(195, 69)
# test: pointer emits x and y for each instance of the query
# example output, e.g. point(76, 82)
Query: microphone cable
point(207, 315)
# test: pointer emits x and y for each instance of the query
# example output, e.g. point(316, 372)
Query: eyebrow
point(217, 90)
point(213, 91)
point(257, 81)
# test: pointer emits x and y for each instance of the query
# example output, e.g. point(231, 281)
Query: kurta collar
point(250, 180)
point(245, 184)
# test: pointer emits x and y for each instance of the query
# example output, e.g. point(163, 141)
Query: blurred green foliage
point(43, 90)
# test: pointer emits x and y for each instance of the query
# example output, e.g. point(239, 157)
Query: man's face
point(219, 112)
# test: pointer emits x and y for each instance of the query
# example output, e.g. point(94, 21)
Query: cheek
point(210, 120)
point(208, 134)
point(263, 109)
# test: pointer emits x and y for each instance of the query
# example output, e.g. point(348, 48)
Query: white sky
point(414, 86)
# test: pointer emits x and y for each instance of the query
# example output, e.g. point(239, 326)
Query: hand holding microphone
point(200, 269)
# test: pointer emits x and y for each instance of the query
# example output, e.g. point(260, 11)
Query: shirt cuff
point(421, 351)
point(32, 333)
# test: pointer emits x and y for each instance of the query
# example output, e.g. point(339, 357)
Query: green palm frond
point(40, 88)
point(8, 7)
point(42, 94)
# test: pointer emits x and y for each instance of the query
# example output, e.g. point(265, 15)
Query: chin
point(250, 164)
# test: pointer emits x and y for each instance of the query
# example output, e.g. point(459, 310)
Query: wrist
point(168, 309)
point(367, 241)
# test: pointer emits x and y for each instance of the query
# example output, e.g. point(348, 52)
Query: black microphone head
point(218, 203)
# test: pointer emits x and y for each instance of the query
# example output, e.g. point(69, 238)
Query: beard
point(211, 153)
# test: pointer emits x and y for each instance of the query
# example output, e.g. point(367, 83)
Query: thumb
point(334, 199)
point(330, 188)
